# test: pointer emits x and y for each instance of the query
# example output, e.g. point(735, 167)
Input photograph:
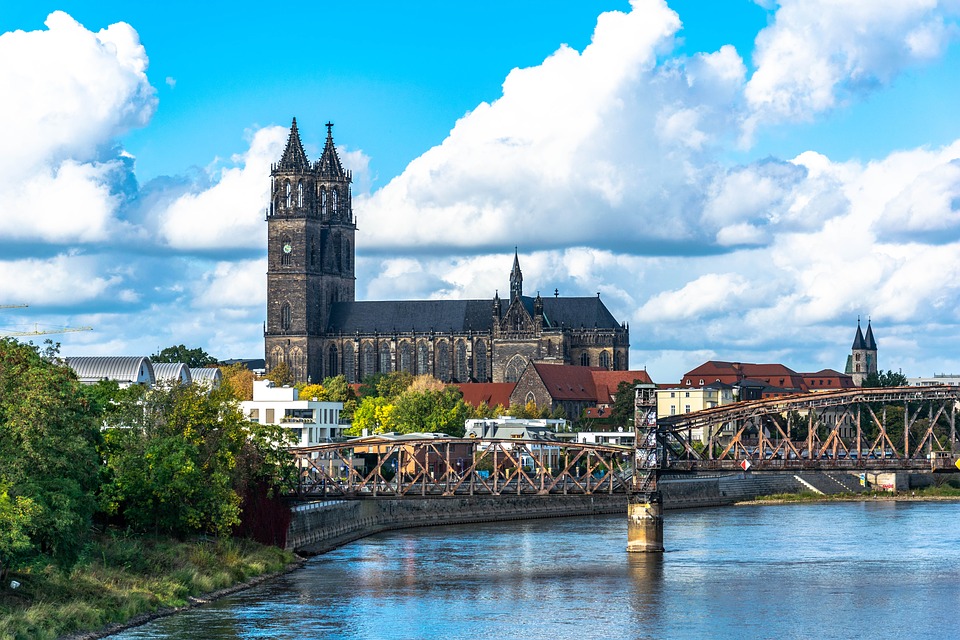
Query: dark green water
point(845, 570)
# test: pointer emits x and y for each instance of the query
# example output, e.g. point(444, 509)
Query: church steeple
point(870, 342)
point(858, 342)
point(293, 158)
point(516, 278)
point(329, 164)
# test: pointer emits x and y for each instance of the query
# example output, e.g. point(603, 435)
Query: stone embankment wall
point(321, 526)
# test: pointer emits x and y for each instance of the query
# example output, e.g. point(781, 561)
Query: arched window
point(349, 363)
point(530, 398)
point(369, 361)
point(334, 201)
point(480, 361)
point(549, 347)
point(443, 362)
point(406, 357)
point(514, 368)
point(277, 356)
point(462, 373)
point(584, 359)
point(289, 201)
point(323, 200)
point(385, 357)
point(285, 316)
point(300, 193)
point(297, 363)
point(605, 359)
point(423, 358)
point(333, 364)
point(286, 249)
point(618, 361)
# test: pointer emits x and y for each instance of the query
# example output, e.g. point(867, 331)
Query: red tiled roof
point(493, 393)
point(606, 382)
point(565, 382)
point(774, 374)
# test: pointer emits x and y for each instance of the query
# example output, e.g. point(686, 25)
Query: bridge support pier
point(645, 523)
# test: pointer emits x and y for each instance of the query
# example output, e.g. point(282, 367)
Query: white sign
point(745, 465)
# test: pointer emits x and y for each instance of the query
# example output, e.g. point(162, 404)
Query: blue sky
point(739, 179)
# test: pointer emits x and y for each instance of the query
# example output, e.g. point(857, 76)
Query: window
point(406, 357)
point(288, 192)
point(584, 359)
point(300, 193)
point(673, 394)
point(323, 200)
point(423, 358)
point(333, 365)
point(480, 360)
point(688, 382)
point(605, 359)
point(686, 408)
point(686, 394)
point(463, 372)
point(269, 416)
point(369, 361)
point(349, 365)
point(255, 415)
point(701, 382)
point(673, 409)
point(334, 200)
point(285, 317)
point(385, 358)
point(443, 362)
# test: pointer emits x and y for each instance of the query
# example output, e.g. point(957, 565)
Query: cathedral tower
point(310, 254)
point(862, 360)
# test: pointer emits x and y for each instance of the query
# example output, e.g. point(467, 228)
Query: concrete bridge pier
point(645, 523)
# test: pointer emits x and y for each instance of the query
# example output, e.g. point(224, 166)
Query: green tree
point(375, 414)
point(16, 521)
point(171, 459)
point(48, 449)
point(621, 413)
point(431, 411)
point(339, 390)
point(889, 378)
point(239, 380)
point(313, 390)
point(280, 375)
point(195, 358)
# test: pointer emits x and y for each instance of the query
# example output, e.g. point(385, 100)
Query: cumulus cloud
point(817, 53)
point(70, 93)
point(66, 279)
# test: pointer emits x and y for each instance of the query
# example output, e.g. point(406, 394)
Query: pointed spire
point(869, 340)
point(294, 158)
point(858, 342)
point(516, 278)
point(329, 163)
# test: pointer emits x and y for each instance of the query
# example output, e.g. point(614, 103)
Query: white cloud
point(66, 279)
point(69, 93)
point(233, 285)
point(816, 53)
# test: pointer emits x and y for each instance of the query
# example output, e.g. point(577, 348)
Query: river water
point(842, 570)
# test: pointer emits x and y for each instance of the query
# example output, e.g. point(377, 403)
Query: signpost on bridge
point(644, 501)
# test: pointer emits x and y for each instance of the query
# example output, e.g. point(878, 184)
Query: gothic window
point(443, 362)
point(346, 256)
point(285, 250)
point(530, 398)
point(462, 372)
point(285, 316)
point(333, 366)
point(423, 358)
point(605, 359)
point(584, 359)
point(480, 360)
point(300, 193)
point(297, 364)
point(277, 356)
point(385, 357)
point(349, 364)
point(289, 203)
point(333, 201)
point(514, 368)
point(618, 361)
point(323, 200)
point(406, 357)
point(549, 347)
point(369, 361)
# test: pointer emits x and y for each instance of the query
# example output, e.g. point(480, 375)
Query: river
point(841, 570)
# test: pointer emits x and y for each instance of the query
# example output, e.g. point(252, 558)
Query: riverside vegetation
point(115, 502)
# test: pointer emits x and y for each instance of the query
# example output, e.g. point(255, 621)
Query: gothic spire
point(869, 340)
point(858, 342)
point(294, 158)
point(516, 278)
point(329, 163)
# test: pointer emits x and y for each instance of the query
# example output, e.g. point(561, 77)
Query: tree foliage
point(48, 454)
point(280, 375)
point(194, 358)
point(889, 378)
point(239, 380)
point(16, 521)
point(431, 411)
point(177, 459)
point(374, 414)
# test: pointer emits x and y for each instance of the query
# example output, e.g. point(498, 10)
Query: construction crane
point(37, 331)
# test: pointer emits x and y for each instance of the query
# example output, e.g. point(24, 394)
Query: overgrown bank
point(944, 492)
point(120, 577)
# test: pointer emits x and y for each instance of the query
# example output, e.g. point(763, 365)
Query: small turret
point(516, 278)
point(294, 158)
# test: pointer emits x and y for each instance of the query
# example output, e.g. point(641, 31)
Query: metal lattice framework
point(460, 466)
point(844, 429)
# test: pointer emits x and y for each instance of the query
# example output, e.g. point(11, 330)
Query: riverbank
point(929, 494)
point(123, 580)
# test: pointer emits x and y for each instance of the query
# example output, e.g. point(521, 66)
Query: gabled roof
point(606, 382)
point(294, 158)
point(565, 382)
point(587, 312)
point(410, 315)
point(773, 374)
point(491, 393)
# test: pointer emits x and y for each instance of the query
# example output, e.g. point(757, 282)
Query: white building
point(507, 428)
point(312, 422)
point(938, 379)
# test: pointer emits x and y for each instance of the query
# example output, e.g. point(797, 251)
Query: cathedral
point(318, 328)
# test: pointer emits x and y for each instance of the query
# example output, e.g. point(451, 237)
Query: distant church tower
point(310, 254)
point(862, 360)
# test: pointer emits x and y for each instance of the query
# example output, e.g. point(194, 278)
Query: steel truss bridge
point(882, 429)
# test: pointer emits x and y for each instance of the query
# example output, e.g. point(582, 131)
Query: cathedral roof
point(460, 315)
point(858, 342)
point(329, 163)
point(869, 339)
point(294, 158)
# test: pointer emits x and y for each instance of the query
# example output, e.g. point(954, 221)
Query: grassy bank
point(945, 492)
point(120, 577)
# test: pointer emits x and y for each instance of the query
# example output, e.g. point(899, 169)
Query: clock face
point(287, 248)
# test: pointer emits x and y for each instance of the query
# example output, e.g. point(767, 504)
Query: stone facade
point(316, 326)
point(862, 360)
